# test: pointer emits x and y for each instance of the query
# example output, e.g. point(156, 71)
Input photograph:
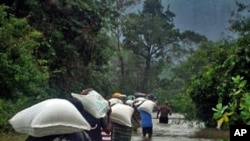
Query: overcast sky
point(206, 17)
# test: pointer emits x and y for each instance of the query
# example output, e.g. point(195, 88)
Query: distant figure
point(146, 123)
point(164, 111)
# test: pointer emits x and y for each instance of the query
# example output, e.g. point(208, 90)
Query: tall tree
point(153, 37)
point(240, 19)
point(119, 8)
point(150, 34)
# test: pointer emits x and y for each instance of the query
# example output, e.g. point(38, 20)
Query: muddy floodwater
point(178, 129)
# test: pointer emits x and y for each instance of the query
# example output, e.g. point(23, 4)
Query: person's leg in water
point(147, 132)
point(163, 120)
point(144, 131)
point(167, 120)
point(150, 132)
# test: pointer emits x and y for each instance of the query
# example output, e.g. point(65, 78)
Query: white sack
point(147, 106)
point(130, 102)
point(122, 114)
point(93, 103)
point(115, 101)
point(138, 101)
point(49, 117)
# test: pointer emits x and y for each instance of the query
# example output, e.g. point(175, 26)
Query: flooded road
point(178, 129)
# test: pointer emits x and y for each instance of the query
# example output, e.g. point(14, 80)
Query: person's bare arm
point(106, 124)
point(170, 111)
point(158, 112)
point(86, 91)
point(134, 116)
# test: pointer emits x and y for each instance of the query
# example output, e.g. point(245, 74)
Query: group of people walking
point(104, 129)
point(143, 119)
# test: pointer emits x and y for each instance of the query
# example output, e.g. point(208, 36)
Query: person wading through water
point(164, 111)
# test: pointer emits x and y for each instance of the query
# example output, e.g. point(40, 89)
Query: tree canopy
point(54, 47)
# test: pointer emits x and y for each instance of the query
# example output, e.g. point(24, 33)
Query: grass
point(12, 137)
point(212, 133)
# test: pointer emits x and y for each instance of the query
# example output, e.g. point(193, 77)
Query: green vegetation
point(12, 137)
point(237, 110)
point(54, 47)
point(212, 133)
point(213, 84)
point(23, 76)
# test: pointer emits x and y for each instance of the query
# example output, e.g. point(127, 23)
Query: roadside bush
point(9, 108)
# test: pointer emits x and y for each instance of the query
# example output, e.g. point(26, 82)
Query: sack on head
point(147, 106)
point(93, 103)
point(115, 101)
point(122, 114)
point(49, 117)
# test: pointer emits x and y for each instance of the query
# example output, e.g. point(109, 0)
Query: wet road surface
point(178, 129)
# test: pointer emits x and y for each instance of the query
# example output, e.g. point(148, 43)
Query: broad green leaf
point(217, 115)
point(219, 106)
point(215, 109)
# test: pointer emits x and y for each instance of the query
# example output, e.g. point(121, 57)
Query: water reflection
point(177, 130)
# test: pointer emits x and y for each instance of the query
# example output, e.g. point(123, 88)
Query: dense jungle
point(51, 48)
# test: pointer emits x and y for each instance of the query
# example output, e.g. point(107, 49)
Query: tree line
point(54, 47)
